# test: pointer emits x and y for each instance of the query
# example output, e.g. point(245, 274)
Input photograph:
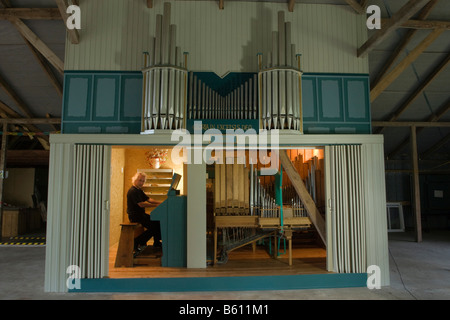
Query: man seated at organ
point(137, 201)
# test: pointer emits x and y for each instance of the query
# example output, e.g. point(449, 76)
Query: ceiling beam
point(418, 91)
point(30, 121)
point(31, 13)
point(356, 5)
point(46, 67)
point(15, 97)
point(38, 44)
point(433, 117)
point(22, 106)
point(435, 147)
point(422, 24)
point(73, 33)
point(410, 58)
point(406, 12)
point(405, 124)
point(402, 44)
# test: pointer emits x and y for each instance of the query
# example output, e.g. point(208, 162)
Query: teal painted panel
point(309, 99)
point(293, 282)
point(336, 128)
point(173, 220)
point(102, 127)
point(330, 99)
point(102, 102)
point(131, 100)
point(77, 98)
point(106, 98)
point(341, 105)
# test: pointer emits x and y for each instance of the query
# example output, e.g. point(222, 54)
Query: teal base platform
point(252, 283)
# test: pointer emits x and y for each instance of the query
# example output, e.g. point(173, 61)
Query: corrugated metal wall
point(115, 33)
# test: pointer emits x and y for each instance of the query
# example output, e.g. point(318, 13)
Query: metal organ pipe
point(280, 82)
point(206, 103)
point(164, 74)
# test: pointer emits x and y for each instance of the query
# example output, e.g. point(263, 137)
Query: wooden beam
point(416, 186)
point(418, 91)
point(24, 108)
point(8, 111)
point(356, 6)
point(422, 24)
point(402, 44)
point(409, 124)
point(436, 146)
point(30, 13)
point(73, 33)
point(406, 12)
point(435, 116)
point(149, 4)
point(38, 44)
point(221, 4)
point(28, 157)
point(5, 3)
point(48, 116)
point(30, 121)
point(301, 190)
point(45, 66)
point(412, 56)
point(291, 4)
point(15, 97)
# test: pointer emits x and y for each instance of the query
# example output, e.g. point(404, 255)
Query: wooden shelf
point(157, 183)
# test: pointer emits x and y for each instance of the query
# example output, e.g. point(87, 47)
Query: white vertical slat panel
point(115, 33)
point(89, 245)
point(346, 213)
point(58, 230)
point(329, 206)
point(375, 209)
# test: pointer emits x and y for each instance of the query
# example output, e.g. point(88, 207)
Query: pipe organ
point(172, 94)
point(247, 208)
point(206, 103)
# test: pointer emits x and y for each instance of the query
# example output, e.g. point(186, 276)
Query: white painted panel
point(347, 212)
point(375, 208)
point(77, 215)
point(196, 215)
point(89, 223)
point(115, 33)
point(58, 217)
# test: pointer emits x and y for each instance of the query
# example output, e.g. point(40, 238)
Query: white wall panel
point(116, 32)
point(77, 217)
point(58, 217)
point(375, 206)
point(356, 209)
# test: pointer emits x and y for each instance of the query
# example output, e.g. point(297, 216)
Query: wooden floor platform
point(241, 262)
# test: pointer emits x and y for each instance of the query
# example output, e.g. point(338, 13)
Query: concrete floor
point(419, 271)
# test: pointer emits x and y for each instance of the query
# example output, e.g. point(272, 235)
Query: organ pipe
point(164, 75)
point(280, 82)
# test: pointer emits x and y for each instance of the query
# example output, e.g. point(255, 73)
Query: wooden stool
point(124, 257)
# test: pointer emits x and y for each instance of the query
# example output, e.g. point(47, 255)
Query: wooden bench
point(124, 257)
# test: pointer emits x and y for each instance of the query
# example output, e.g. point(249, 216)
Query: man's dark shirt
point(134, 196)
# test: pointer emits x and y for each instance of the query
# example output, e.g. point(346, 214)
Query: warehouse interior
point(408, 61)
